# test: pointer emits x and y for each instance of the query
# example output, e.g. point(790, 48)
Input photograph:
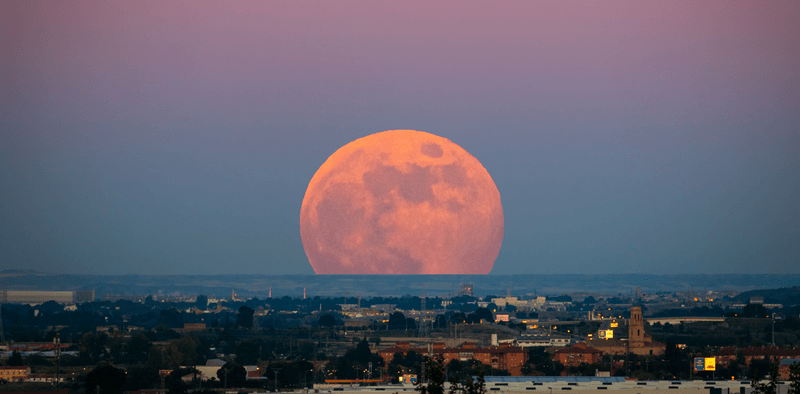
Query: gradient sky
point(167, 137)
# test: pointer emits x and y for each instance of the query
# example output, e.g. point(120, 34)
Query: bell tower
point(636, 328)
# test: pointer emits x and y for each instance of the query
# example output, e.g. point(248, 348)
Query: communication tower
point(424, 330)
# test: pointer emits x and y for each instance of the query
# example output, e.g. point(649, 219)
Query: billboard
point(408, 378)
point(606, 334)
point(705, 364)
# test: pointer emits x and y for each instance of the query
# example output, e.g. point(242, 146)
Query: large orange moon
point(401, 202)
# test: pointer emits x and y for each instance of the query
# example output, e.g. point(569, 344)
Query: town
point(183, 343)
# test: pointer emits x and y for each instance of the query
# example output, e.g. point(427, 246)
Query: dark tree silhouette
point(232, 374)
point(245, 318)
point(15, 360)
point(397, 321)
point(201, 302)
point(327, 320)
point(108, 378)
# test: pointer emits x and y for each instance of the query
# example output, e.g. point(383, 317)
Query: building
point(40, 297)
point(725, 356)
point(637, 342)
point(783, 368)
point(13, 374)
point(577, 355)
point(506, 357)
point(23, 347)
point(543, 339)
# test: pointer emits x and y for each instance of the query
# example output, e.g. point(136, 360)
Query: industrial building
point(577, 385)
point(40, 297)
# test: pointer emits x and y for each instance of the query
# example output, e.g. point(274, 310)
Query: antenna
point(424, 330)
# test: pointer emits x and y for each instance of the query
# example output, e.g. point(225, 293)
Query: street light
point(276, 378)
point(304, 378)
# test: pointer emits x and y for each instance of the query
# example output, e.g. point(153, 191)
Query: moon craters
point(432, 150)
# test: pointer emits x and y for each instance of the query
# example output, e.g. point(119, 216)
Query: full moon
point(401, 202)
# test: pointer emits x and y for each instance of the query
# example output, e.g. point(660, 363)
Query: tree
point(232, 374)
point(201, 302)
point(397, 321)
point(327, 320)
point(175, 383)
point(470, 386)
point(245, 317)
point(794, 378)
point(138, 348)
point(249, 351)
point(485, 314)
point(109, 379)
point(172, 318)
point(363, 353)
point(15, 360)
point(771, 387)
point(755, 310)
point(435, 383)
point(93, 346)
point(141, 377)
point(180, 352)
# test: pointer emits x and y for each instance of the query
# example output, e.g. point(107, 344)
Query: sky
point(179, 137)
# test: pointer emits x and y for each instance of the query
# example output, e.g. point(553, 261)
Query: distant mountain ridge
point(392, 285)
point(18, 272)
point(784, 295)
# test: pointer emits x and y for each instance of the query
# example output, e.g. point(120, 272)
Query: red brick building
point(506, 357)
point(729, 354)
point(783, 369)
point(577, 355)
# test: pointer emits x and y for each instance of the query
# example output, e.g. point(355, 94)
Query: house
point(725, 356)
point(506, 357)
point(783, 369)
point(13, 374)
point(578, 354)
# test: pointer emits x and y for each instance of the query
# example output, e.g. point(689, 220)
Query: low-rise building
point(725, 356)
point(13, 374)
point(579, 354)
point(783, 369)
point(542, 339)
point(505, 357)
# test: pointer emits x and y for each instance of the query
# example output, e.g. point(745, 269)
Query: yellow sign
point(614, 325)
point(705, 364)
point(606, 334)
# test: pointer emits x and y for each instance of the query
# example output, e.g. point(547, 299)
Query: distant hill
point(18, 272)
point(785, 295)
point(530, 285)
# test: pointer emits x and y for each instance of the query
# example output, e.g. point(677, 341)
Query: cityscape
point(179, 342)
point(375, 197)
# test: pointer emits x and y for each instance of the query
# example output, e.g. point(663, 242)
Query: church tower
point(636, 328)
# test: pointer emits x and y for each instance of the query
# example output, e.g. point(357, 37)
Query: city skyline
point(180, 138)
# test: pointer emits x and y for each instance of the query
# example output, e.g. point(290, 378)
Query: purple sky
point(172, 137)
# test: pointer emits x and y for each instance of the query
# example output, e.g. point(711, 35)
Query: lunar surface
point(401, 202)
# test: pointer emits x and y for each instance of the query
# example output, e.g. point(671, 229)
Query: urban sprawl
point(679, 343)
